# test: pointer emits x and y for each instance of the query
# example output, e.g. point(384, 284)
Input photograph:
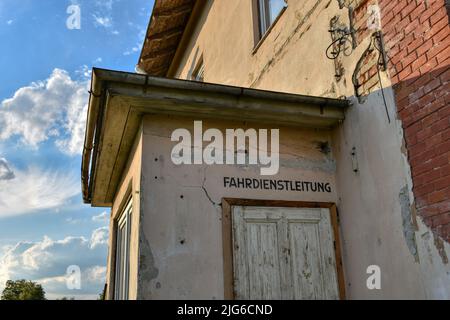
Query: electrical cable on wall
point(381, 63)
point(376, 42)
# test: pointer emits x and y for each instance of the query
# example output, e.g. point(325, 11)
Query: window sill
point(266, 34)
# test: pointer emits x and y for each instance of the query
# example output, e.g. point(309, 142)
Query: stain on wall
point(147, 268)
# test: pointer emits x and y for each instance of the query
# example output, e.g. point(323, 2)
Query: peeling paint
point(426, 238)
point(414, 215)
point(439, 244)
point(408, 224)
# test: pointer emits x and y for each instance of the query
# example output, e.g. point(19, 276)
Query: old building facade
point(358, 90)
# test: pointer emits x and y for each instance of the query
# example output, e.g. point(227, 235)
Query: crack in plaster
point(203, 187)
point(207, 194)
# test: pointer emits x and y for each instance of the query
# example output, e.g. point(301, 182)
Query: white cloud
point(73, 221)
point(102, 21)
point(9, 22)
point(56, 106)
point(138, 46)
point(142, 31)
point(132, 50)
point(102, 217)
point(5, 171)
point(103, 17)
point(144, 11)
point(84, 72)
point(75, 125)
point(35, 189)
point(46, 262)
point(99, 237)
point(92, 283)
point(96, 274)
point(106, 4)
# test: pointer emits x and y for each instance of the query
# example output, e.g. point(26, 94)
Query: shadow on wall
point(423, 105)
point(418, 46)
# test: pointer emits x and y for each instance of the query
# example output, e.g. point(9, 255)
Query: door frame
point(227, 236)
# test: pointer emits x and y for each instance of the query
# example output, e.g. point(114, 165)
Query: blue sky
point(44, 227)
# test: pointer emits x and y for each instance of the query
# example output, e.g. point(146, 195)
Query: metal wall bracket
point(382, 62)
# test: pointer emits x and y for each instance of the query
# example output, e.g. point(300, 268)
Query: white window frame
point(123, 233)
point(264, 16)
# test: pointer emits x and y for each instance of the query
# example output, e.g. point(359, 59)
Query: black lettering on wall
point(277, 185)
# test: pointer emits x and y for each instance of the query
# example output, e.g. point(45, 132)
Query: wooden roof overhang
point(167, 24)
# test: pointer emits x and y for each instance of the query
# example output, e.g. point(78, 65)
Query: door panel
point(256, 250)
point(262, 259)
point(306, 263)
point(283, 253)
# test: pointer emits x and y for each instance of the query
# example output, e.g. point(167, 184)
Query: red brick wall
point(417, 36)
point(368, 74)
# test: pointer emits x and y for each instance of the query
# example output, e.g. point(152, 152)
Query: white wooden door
point(283, 253)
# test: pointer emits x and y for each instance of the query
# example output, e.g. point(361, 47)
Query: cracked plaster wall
point(378, 222)
point(181, 217)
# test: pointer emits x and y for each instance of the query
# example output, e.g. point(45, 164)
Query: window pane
point(275, 7)
point(268, 12)
point(122, 254)
point(118, 280)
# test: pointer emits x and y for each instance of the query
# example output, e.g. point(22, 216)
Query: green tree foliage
point(102, 295)
point(23, 290)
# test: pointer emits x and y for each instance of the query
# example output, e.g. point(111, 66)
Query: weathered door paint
point(283, 253)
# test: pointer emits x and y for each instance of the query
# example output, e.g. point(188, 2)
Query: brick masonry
point(367, 76)
point(417, 37)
